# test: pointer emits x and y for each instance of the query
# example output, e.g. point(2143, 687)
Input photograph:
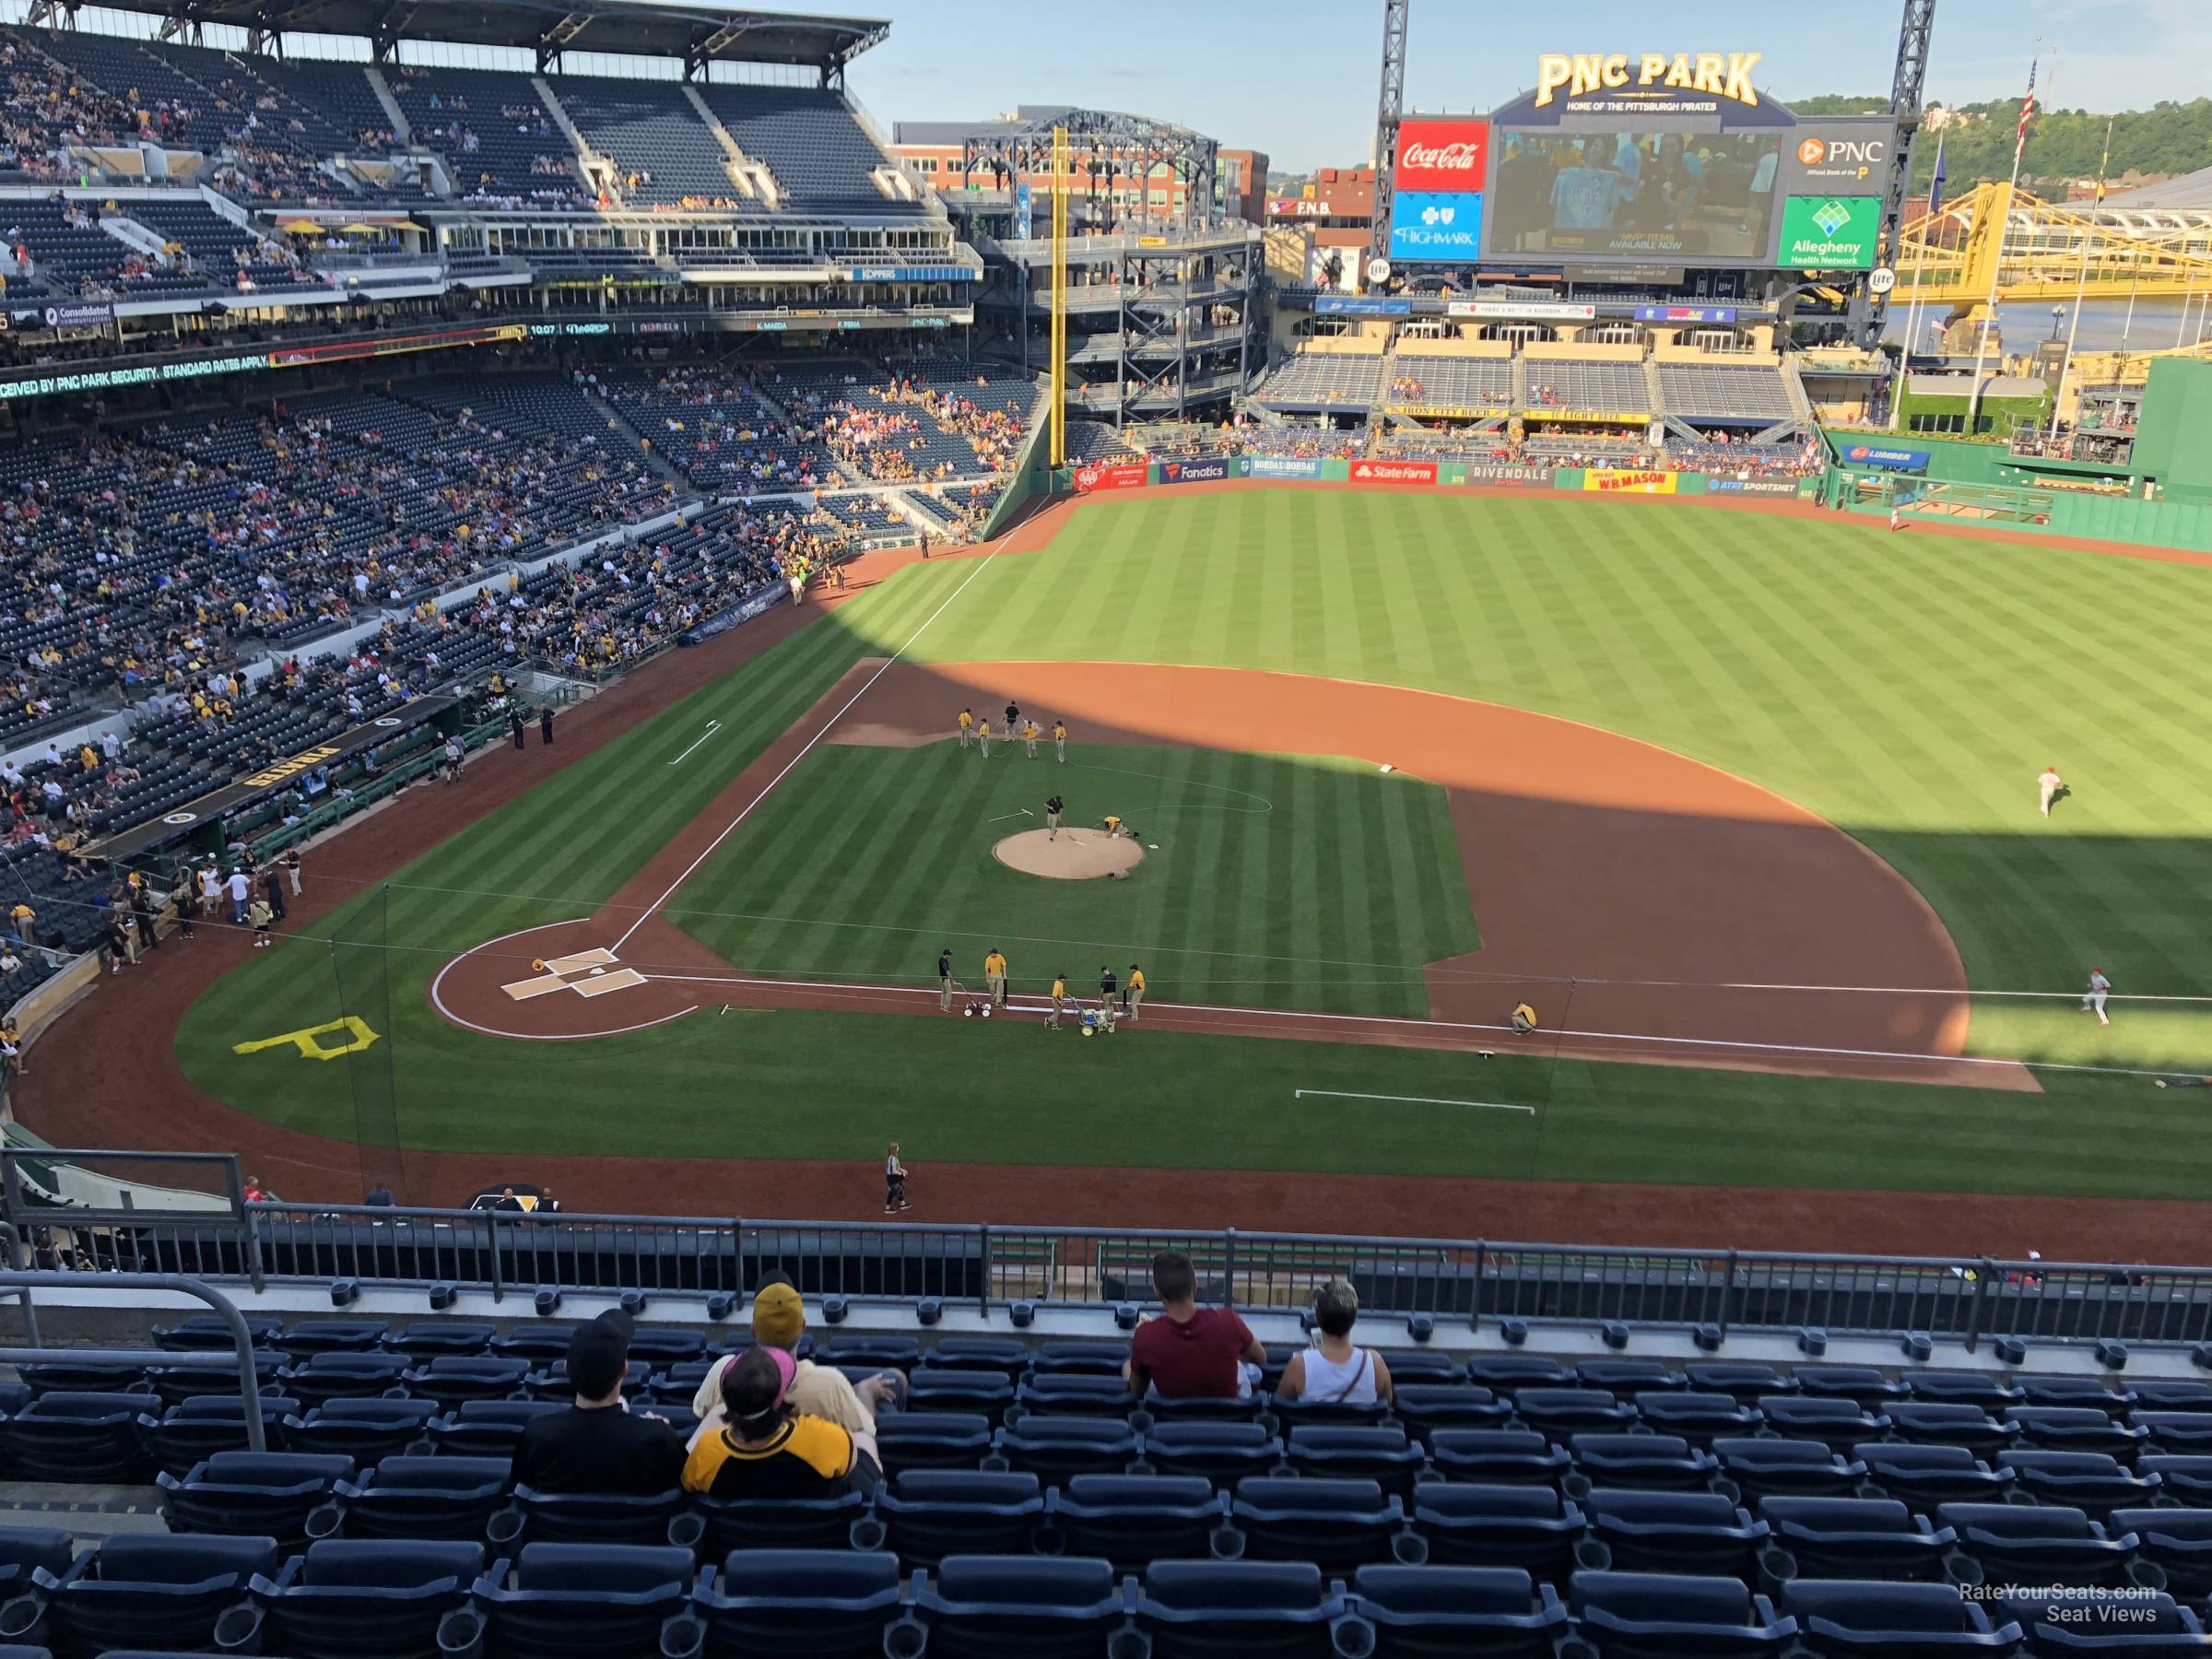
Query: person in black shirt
point(945, 980)
point(597, 1446)
point(1012, 718)
point(1053, 807)
point(1106, 985)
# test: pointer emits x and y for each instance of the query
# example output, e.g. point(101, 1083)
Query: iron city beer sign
point(1719, 74)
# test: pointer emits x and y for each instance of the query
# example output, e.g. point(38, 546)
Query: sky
point(1298, 79)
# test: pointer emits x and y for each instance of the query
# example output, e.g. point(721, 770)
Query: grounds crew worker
point(1028, 735)
point(1013, 714)
point(1105, 984)
point(1132, 992)
point(1052, 1020)
point(1060, 739)
point(966, 726)
point(994, 976)
point(1054, 807)
point(1524, 1018)
point(945, 979)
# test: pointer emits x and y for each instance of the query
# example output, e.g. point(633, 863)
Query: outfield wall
point(1105, 477)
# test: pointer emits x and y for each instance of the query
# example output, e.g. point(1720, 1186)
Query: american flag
point(2027, 114)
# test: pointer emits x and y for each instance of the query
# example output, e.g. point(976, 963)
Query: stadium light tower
point(1387, 111)
point(1908, 89)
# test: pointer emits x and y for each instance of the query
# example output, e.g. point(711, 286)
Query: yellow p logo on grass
point(310, 1044)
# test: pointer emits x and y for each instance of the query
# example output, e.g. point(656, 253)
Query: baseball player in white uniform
point(2099, 987)
point(2050, 783)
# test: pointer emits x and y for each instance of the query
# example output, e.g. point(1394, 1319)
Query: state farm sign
point(1442, 155)
point(1393, 472)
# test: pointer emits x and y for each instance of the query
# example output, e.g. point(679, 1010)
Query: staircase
point(1520, 400)
point(749, 175)
point(391, 104)
point(1652, 388)
point(595, 170)
point(1801, 401)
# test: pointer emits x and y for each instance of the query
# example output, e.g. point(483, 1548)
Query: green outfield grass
point(1908, 689)
point(1277, 883)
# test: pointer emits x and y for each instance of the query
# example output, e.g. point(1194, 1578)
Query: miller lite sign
point(1442, 155)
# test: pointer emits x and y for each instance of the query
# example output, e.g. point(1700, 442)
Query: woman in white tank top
point(1333, 1371)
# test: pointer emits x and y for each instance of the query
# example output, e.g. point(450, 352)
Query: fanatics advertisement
point(1393, 472)
point(1113, 475)
point(1193, 472)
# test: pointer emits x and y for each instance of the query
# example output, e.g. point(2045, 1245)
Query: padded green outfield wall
point(2173, 439)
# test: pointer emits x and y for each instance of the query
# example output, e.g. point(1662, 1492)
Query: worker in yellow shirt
point(1028, 735)
point(1132, 992)
point(983, 736)
point(1523, 1018)
point(994, 976)
point(966, 726)
point(1060, 739)
point(1052, 1020)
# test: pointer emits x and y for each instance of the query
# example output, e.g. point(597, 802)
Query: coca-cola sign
point(1442, 155)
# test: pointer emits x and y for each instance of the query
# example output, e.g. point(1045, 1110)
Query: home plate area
point(588, 973)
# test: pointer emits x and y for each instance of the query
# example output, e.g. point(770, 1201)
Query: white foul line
point(1339, 1094)
point(713, 726)
point(648, 911)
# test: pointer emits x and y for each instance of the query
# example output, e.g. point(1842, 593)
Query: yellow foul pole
point(1059, 347)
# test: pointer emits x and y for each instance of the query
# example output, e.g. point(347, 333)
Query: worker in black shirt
point(1105, 984)
point(1013, 716)
point(1053, 808)
point(597, 1446)
point(945, 980)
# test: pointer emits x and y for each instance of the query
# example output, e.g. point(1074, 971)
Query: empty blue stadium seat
point(23, 1550)
point(551, 1381)
point(1933, 1474)
point(200, 1333)
point(429, 1498)
point(1742, 1381)
point(541, 1343)
point(429, 1340)
point(1008, 1607)
point(1675, 1532)
point(1841, 1422)
point(454, 1379)
point(1423, 1408)
point(1422, 1365)
point(1700, 1418)
point(247, 1494)
point(1861, 1384)
point(2178, 1541)
point(1002, 1354)
point(1764, 1468)
point(1134, 1519)
point(931, 1513)
point(1078, 1360)
point(146, 1590)
point(331, 1336)
point(2184, 1431)
point(2183, 1480)
point(661, 1345)
point(365, 1430)
point(1849, 1619)
point(1223, 1453)
point(932, 1440)
point(586, 1517)
point(343, 1373)
point(1558, 1412)
point(488, 1428)
point(1951, 1423)
point(825, 1603)
point(878, 1353)
point(557, 1600)
point(172, 1384)
point(1507, 1373)
point(1382, 1455)
point(70, 1376)
point(1075, 1394)
point(1661, 1462)
point(2039, 1544)
point(2037, 1388)
point(1339, 1524)
point(376, 1599)
point(2088, 1481)
point(1325, 1414)
point(1850, 1538)
point(206, 1424)
point(1524, 1526)
point(1967, 1387)
point(1644, 1613)
point(1495, 1455)
point(2077, 1429)
point(1239, 1610)
point(2172, 1394)
point(734, 1523)
point(1052, 1448)
point(1244, 1410)
point(77, 1437)
point(1445, 1612)
point(1626, 1376)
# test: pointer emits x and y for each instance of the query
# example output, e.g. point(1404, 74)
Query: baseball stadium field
point(1740, 801)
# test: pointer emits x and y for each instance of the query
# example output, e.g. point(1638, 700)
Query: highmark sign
point(1719, 75)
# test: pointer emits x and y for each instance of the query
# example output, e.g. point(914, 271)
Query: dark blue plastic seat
point(729, 1524)
point(1448, 1612)
point(1078, 1360)
point(201, 1333)
point(551, 1381)
point(433, 1338)
point(2189, 1432)
point(932, 1440)
point(2087, 1480)
point(1840, 1423)
point(1700, 1418)
point(1558, 1412)
point(1651, 1463)
point(540, 1342)
point(366, 1430)
point(1382, 1455)
point(454, 1379)
point(77, 1437)
point(2177, 1541)
point(2145, 1625)
point(931, 1513)
point(249, 1494)
point(2077, 1429)
point(1002, 1354)
point(200, 1427)
point(1933, 1475)
point(331, 1336)
point(2177, 1394)
point(1787, 1468)
point(1530, 1528)
point(1508, 1373)
point(146, 1590)
point(590, 1517)
point(1628, 1377)
point(488, 1428)
point(2023, 1544)
point(1965, 1387)
point(173, 1383)
point(1245, 1409)
point(1424, 1366)
point(1952, 1423)
point(661, 1345)
point(2039, 1388)
point(2183, 1480)
point(1424, 1407)
point(1339, 1524)
point(824, 1603)
point(1861, 1384)
point(429, 1498)
point(1132, 1520)
point(1850, 1538)
point(1742, 1381)
point(1052, 1448)
point(1495, 1456)
point(1239, 1610)
point(1075, 1394)
point(1675, 1532)
point(1008, 1607)
point(377, 1600)
point(1848, 1619)
point(1224, 1454)
point(875, 1352)
point(1653, 1614)
point(69, 1376)
point(23, 1550)
point(556, 1601)
point(339, 1374)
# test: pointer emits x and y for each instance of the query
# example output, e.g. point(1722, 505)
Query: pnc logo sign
point(1717, 74)
point(1442, 155)
point(1850, 157)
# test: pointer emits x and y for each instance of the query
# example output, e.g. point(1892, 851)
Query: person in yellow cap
point(1524, 1018)
point(1052, 1020)
point(967, 727)
point(1132, 992)
point(1030, 735)
point(994, 976)
point(779, 1320)
point(1060, 739)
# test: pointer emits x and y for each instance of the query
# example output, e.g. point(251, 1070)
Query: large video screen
point(1634, 194)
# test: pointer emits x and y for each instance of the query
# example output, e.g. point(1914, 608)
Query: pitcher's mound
point(1073, 855)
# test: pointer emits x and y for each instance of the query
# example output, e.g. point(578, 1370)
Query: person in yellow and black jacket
point(768, 1449)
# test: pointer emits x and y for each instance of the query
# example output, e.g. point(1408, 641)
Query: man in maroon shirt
point(1189, 1352)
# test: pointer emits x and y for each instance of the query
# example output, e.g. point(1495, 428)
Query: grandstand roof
point(2190, 190)
point(704, 32)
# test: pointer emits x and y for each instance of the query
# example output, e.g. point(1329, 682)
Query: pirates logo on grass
point(309, 1042)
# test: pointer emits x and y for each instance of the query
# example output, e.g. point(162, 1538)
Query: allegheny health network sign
point(1829, 233)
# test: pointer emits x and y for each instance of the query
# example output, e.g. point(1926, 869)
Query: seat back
point(1341, 1523)
point(1008, 1607)
point(1132, 1520)
point(767, 1523)
point(1674, 1532)
point(146, 1590)
point(931, 1513)
point(609, 1518)
point(583, 1599)
point(1227, 1609)
point(826, 1604)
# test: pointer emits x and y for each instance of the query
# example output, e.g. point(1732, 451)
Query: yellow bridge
point(1948, 258)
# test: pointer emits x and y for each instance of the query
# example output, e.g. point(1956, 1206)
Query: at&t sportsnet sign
point(1436, 211)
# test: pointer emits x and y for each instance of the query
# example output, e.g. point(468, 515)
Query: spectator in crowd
point(1333, 1371)
point(1189, 1352)
point(597, 1446)
point(767, 1448)
point(779, 1320)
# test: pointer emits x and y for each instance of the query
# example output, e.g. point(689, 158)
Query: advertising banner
point(1829, 233)
point(1450, 157)
point(1685, 313)
point(1022, 213)
point(1501, 472)
point(1393, 472)
point(1195, 472)
point(1435, 224)
point(1111, 474)
point(1640, 482)
point(1296, 208)
point(1773, 487)
point(87, 315)
point(1892, 460)
point(1352, 305)
point(1501, 400)
point(1535, 310)
point(758, 603)
point(1333, 267)
point(1283, 466)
